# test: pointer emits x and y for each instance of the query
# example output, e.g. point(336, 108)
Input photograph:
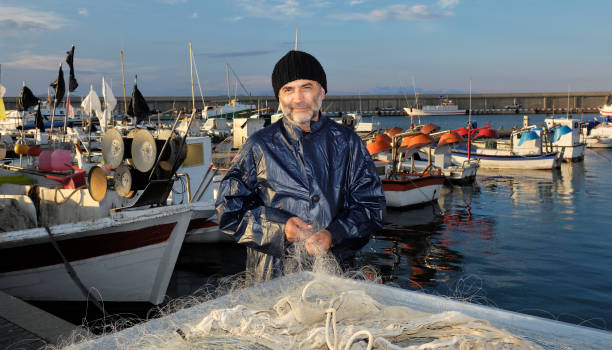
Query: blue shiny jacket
point(325, 177)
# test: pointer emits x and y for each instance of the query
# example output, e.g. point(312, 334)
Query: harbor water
point(536, 242)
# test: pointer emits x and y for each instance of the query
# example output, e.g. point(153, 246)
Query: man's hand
point(297, 229)
point(319, 243)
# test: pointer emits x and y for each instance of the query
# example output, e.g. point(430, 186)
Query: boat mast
point(469, 150)
point(191, 74)
point(296, 38)
point(123, 78)
point(229, 95)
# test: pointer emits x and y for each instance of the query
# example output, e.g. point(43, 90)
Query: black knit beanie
point(297, 65)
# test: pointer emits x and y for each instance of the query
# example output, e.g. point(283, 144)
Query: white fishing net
point(322, 318)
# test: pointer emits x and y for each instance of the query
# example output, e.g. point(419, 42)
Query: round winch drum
point(97, 184)
point(176, 155)
point(128, 180)
point(113, 148)
point(144, 150)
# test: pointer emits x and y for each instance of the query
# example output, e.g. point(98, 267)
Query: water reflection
point(416, 247)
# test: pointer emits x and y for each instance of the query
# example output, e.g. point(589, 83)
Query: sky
point(365, 46)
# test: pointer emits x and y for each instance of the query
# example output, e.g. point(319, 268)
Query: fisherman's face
point(300, 101)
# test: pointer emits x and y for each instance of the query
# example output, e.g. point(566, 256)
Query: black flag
point(39, 120)
point(59, 86)
point(26, 99)
point(138, 106)
point(72, 82)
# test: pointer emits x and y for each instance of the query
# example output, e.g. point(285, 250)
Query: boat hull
point(412, 191)
point(128, 257)
point(418, 112)
point(543, 162)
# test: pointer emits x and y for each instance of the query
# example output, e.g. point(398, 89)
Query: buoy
point(61, 160)
point(44, 161)
point(21, 148)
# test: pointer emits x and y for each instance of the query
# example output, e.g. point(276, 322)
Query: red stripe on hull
point(405, 185)
point(200, 223)
point(43, 254)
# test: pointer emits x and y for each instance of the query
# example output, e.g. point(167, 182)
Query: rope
point(72, 273)
point(70, 195)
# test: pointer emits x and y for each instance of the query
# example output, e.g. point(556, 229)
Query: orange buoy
point(21, 148)
point(378, 146)
point(449, 138)
point(417, 140)
point(429, 128)
point(394, 131)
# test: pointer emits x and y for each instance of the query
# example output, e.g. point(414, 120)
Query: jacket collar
point(294, 132)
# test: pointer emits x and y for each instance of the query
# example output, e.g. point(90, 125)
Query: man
point(302, 179)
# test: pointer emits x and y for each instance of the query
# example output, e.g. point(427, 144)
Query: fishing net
point(323, 318)
point(330, 310)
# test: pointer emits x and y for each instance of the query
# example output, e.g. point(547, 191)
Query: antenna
point(296, 38)
point(123, 79)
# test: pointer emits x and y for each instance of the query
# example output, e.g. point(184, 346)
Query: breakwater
point(393, 104)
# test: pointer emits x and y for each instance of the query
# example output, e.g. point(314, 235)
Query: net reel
point(98, 183)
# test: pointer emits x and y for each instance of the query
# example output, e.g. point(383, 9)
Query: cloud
point(356, 2)
point(444, 4)
point(321, 3)
point(17, 20)
point(195, 15)
point(236, 53)
point(402, 12)
point(273, 9)
point(83, 12)
point(28, 61)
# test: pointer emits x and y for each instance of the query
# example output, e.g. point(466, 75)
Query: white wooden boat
point(407, 190)
point(126, 256)
point(502, 159)
point(600, 136)
point(567, 136)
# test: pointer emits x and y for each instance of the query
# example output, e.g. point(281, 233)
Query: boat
point(567, 137)
point(503, 159)
point(599, 133)
point(402, 187)
point(605, 110)
point(524, 150)
point(446, 107)
point(127, 256)
point(239, 320)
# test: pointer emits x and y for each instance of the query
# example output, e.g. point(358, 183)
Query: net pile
point(322, 318)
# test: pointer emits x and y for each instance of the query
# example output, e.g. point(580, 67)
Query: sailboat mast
point(296, 38)
point(229, 94)
point(191, 74)
point(469, 148)
point(123, 78)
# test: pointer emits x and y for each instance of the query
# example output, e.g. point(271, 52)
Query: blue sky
point(365, 46)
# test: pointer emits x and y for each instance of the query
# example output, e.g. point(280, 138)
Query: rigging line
point(73, 275)
point(198, 79)
point(236, 75)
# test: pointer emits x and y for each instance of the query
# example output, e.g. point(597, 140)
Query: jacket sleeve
point(241, 212)
point(364, 202)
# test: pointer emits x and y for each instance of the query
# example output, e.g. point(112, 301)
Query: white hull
point(571, 154)
point(137, 273)
point(516, 162)
point(464, 173)
point(418, 112)
point(606, 110)
point(412, 192)
point(599, 142)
